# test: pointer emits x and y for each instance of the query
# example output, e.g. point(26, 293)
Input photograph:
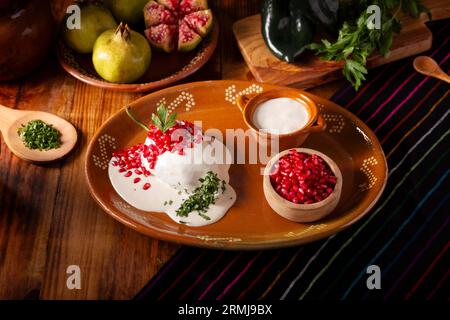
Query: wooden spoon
point(427, 66)
point(11, 120)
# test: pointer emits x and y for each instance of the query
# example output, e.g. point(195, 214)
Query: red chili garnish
point(302, 178)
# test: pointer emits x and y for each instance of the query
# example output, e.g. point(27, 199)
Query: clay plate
point(250, 223)
point(165, 69)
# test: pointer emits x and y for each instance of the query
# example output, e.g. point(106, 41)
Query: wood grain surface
point(310, 70)
point(48, 219)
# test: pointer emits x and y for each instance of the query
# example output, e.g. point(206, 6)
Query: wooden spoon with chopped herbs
point(36, 136)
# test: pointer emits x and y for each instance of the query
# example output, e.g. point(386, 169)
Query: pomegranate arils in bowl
point(302, 185)
point(302, 178)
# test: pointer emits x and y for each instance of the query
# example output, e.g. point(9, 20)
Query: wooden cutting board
point(310, 70)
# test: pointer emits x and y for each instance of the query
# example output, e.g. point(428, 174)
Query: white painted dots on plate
point(365, 168)
point(104, 141)
point(231, 93)
point(335, 122)
point(186, 97)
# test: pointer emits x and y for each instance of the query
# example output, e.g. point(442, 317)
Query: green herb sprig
point(356, 42)
point(36, 134)
point(162, 119)
point(202, 197)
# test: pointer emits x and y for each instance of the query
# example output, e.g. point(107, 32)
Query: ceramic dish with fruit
point(302, 185)
point(146, 180)
point(137, 45)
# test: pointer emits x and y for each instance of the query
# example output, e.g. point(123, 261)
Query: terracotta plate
point(165, 69)
point(250, 223)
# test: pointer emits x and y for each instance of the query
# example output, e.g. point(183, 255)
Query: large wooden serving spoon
point(11, 120)
point(427, 66)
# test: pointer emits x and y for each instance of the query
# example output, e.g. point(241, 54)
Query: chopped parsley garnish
point(223, 186)
point(202, 196)
point(168, 202)
point(36, 134)
point(204, 216)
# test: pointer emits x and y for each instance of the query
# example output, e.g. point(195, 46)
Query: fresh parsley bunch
point(356, 42)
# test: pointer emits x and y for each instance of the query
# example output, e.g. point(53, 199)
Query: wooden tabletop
point(48, 220)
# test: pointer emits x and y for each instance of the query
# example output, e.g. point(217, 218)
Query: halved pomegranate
point(191, 20)
point(200, 21)
point(162, 36)
point(188, 39)
point(188, 6)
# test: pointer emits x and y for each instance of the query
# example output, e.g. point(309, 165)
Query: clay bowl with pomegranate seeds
point(165, 68)
point(310, 210)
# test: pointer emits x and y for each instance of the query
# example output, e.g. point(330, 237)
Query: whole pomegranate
point(121, 55)
point(128, 11)
point(94, 20)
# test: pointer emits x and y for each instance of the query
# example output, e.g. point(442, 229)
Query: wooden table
point(48, 219)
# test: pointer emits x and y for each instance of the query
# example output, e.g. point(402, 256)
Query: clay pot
point(248, 104)
point(302, 212)
point(26, 33)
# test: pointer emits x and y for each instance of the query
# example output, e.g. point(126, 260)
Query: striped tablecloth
point(406, 234)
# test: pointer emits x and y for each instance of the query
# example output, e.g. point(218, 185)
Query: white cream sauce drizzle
point(168, 195)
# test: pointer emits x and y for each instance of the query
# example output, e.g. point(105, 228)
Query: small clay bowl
point(248, 104)
point(302, 212)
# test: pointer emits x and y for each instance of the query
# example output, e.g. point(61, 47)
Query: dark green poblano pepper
point(323, 13)
point(285, 28)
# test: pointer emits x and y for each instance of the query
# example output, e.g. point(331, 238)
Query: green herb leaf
point(356, 42)
point(157, 122)
point(162, 120)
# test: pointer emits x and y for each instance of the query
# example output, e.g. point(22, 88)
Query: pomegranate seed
point(302, 178)
point(129, 173)
point(136, 180)
point(130, 159)
point(146, 186)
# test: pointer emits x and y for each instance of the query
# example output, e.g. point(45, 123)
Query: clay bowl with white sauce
point(282, 115)
point(302, 212)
